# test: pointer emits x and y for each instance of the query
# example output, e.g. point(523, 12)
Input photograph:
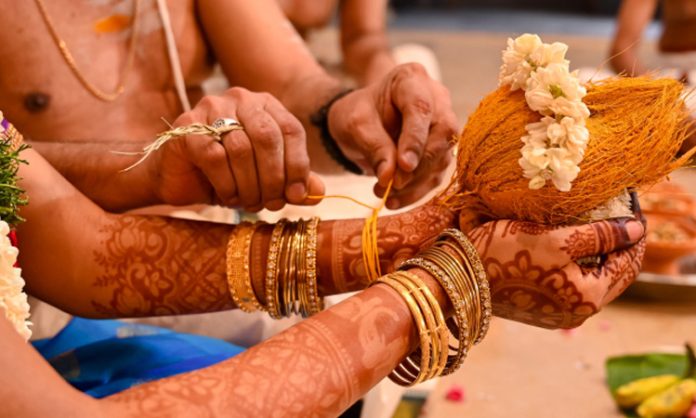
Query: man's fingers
point(410, 187)
point(416, 106)
point(378, 149)
point(240, 155)
point(416, 190)
point(297, 167)
point(268, 151)
point(211, 159)
point(315, 187)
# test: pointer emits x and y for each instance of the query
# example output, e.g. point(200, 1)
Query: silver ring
point(225, 122)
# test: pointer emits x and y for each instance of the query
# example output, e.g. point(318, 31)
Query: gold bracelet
point(434, 317)
point(272, 271)
point(316, 303)
point(300, 294)
point(397, 375)
point(481, 279)
point(459, 325)
point(291, 276)
point(436, 352)
point(238, 276)
point(469, 284)
point(462, 282)
point(286, 269)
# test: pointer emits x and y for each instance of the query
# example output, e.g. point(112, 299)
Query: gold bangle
point(469, 283)
point(283, 271)
point(436, 352)
point(286, 272)
point(462, 282)
point(460, 330)
point(272, 271)
point(481, 279)
point(238, 276)
point(433, 315)
point(418, 318)
point(291, 276)
point(316, 303)
point(300, 294)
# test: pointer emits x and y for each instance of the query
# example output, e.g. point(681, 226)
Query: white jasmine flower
point(524, 55)
point(535, 157)
point(575, 109)
point(550, 54)
point(537, 132)
point(570, 134)
point(517, 65)
point(554, 90)
point(537, 182)
point(12, 298)
point(563, 169)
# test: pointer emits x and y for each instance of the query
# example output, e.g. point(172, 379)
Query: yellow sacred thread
point(370, 250)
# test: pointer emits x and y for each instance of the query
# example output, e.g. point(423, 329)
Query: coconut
point(636, 125)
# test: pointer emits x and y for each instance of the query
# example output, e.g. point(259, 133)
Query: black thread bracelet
point(320, 119)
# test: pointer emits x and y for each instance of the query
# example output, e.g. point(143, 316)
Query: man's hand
point(398, 128)
point(264, 165)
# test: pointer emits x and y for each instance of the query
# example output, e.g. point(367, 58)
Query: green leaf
point(11, 196)
point(626, 369)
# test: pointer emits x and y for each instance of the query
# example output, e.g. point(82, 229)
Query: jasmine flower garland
point(13, 300)
point(555, 146)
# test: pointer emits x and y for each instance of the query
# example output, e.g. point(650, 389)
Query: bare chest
point(60, 55)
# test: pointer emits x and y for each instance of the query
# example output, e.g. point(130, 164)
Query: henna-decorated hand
point(534, 274)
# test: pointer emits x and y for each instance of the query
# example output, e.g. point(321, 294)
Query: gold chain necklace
point(70, 60)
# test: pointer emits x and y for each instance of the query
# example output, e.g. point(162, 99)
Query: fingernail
point(410, 161)
point(296, 192)
point(635, 207)
point(399, 180)
point(275, 205)
point(634, 230)
point(381, 170)
point(392, 203)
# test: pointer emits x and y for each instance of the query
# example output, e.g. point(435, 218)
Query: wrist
point(321, 120)
point(146, 177)
point(379, 65)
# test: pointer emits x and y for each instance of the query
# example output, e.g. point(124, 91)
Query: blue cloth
point(103, 357)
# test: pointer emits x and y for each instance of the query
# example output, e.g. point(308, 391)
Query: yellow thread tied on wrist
point(370, 249)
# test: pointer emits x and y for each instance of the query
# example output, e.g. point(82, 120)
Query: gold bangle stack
point(463, 279)
point(430, 359)
point(291, 274)
point(478, 273)
point(238, 276)
point(291, 271)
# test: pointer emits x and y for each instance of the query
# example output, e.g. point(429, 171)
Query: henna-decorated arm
point(95, 264)
point(123, 265)
point(315, 369)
